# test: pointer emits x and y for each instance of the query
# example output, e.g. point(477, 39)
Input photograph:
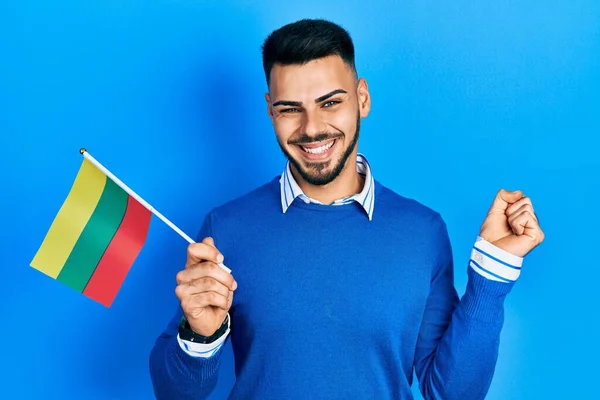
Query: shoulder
point(250, 204)
point(408, 218)
point(392, 204)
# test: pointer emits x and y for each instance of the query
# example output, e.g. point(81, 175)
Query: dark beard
point(320, 180)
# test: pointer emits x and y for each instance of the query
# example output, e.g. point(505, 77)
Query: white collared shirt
point(290, 189)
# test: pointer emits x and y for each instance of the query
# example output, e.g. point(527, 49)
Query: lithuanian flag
point(95, 237)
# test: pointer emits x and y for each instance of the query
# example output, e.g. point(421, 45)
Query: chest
point(349, 281)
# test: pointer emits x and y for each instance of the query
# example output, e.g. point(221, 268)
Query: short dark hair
point(304, 41)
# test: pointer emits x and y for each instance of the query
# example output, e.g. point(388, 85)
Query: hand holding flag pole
point(97, 234)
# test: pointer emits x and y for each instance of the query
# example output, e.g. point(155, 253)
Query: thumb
point(504, 198)
point(209, 241)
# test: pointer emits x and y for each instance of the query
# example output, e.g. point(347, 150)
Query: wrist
point(204, 332)
point(186, 332)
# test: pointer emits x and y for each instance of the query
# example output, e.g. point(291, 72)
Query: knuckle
point(179, 277)
point(210, 297)
point(192, 248)
point(185, 305)
point(179, 292)
point(225, 290)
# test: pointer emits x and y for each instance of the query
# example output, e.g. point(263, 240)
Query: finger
point(523, 222)
point(534, 231)
point(206, 299)
point(520, 210)
point(205, 285)
point(201, 286)
point(206, 269)
point(518, 204)
point(203, 251)
point(531, 227)
point(503, 199)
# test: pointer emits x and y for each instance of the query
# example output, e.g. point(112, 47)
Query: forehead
point(310, 80)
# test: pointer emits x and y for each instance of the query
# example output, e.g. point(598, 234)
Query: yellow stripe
point(70, 220)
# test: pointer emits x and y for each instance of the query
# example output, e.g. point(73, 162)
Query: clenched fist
point(204, 289)
point(511, 224)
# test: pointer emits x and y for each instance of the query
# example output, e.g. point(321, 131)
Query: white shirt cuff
point(494, 263)
point(204, 350)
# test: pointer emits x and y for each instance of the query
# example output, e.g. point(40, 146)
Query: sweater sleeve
point(458, 342)
point(175, 373)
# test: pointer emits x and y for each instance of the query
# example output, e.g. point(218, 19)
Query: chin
point(318, 173)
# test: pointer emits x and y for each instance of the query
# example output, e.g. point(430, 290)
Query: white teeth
point(319, 150)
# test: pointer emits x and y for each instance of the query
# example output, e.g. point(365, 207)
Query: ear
point(270, 107)
point(364, 98)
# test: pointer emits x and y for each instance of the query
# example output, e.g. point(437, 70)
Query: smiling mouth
point(318, 150)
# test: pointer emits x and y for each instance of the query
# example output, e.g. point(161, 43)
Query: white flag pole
point(143, 202)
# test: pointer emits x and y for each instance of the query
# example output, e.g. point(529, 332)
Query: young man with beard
point(342, 287)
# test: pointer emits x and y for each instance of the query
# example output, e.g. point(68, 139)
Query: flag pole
point(143, 202)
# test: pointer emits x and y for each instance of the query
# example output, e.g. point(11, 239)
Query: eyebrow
point(317, 100)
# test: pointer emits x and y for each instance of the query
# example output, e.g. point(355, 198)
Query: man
point(342, 287)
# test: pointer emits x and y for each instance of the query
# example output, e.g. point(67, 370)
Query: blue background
point(467, 98)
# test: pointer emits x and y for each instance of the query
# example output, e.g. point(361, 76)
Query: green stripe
point(95, 238)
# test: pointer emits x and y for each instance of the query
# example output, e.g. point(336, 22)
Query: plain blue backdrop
point(467, 97)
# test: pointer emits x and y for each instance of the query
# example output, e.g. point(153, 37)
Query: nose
point(312, 123)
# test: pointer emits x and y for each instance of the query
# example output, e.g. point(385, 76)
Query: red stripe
point(120, 254)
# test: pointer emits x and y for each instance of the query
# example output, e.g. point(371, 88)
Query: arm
point(181, 369)
point(458, 343)
point(178, 373)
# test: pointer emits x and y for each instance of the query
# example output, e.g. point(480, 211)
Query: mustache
point(319, 137)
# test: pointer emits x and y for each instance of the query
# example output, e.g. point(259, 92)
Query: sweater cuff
point(484, 298)
point(190, 366)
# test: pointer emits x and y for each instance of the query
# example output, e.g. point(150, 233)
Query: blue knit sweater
point(331, 305)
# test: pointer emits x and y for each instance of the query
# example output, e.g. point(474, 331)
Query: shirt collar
point(366, 198)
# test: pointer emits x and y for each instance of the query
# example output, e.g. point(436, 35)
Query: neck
point(347, 183)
